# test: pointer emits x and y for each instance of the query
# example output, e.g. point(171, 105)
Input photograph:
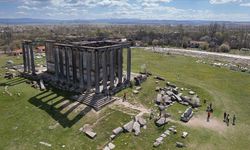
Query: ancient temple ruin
point(94, 69)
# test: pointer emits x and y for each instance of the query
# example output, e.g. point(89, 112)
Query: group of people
point(227, 119)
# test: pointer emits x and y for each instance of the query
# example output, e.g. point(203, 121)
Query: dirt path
point(214, 124)
point(138, 107)
point(202, 54)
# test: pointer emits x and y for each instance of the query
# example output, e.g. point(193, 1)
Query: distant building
point(196, 44)
point(40, 49)
point(17, 52)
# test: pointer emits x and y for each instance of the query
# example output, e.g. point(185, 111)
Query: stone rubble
point(184, 134)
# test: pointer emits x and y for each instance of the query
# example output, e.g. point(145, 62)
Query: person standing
point(234, 119)
point(228, 119)
point(225, 115)
point(208, 116)
point(124, 96)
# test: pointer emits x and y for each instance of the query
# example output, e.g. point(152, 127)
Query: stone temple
point(93, 69)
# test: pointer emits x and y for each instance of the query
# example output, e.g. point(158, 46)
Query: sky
point(216, 10)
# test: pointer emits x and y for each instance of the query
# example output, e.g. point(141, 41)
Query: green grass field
point(25, 120)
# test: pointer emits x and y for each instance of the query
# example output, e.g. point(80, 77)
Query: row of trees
point(213, 37)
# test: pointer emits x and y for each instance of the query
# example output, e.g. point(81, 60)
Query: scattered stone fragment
point(90, 134)
point(184, 134)
point(112, 136)
point(167, 132)
point(169, 93)
point(157, 89)
point(163, 135)
point(178, 98)
point(159, 139)
point(156, 144)
point(159, 78)
point(138, 88)
point(171, 85)
point(182, 89)
point(162, 107)
point(187, 115)
point(42, 85)
point(128, 126)
point(191, 92)
point(106, 148)
point(162, 121)
point(172, 130)
point(117, 130)
point(136, 128)
point(175, 90)
point(156, 82)
point(179, 144)
point(158, 98)
point(141, 121)
point(135, 91)
point(196, 101)
point(111, 146)
point(162, 92)
point(166, 98)
point(46, 144)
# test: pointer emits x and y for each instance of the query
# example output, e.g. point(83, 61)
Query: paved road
point(202, 54)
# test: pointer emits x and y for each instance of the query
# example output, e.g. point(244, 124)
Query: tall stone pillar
point(47, 49)
point(67, 67)
point(111, 69)
point(88, 68)
point(74, 69)
point(55, 50)
point(104, 70)
point(81, 69)
point(24, 58)
point(28, 56)
point(97, 72)
point(32, 61)
point(120, 66)
point(60, 50)
point(128, 64)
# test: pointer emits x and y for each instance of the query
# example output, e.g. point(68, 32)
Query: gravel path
point(202, 54)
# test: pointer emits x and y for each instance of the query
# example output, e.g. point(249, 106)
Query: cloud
point(27, 7)
point(142, 9)
point(223, 1)
point(245, 4)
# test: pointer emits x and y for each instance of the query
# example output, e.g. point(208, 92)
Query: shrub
point(204, 46)
point(224, 48)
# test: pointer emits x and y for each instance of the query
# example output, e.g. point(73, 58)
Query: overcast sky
point(230, 10)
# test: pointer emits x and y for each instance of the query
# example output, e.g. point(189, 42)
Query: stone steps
point(96, 101)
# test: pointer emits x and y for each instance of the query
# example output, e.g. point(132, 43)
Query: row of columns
point(107, 62)
point(28, 57)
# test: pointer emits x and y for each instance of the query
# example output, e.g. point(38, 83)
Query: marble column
point(55, 50)
point(128, 64)
point(32, 61)
point(61, 62)
point(111, 68)
point(81, 69)
point(88, 68)
point(47, 49)
point(74, 69)
point(24, 58)
point(97, 72)
point(66, 54)
point(120, 66)
point(104, 70)
point(28, 56)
